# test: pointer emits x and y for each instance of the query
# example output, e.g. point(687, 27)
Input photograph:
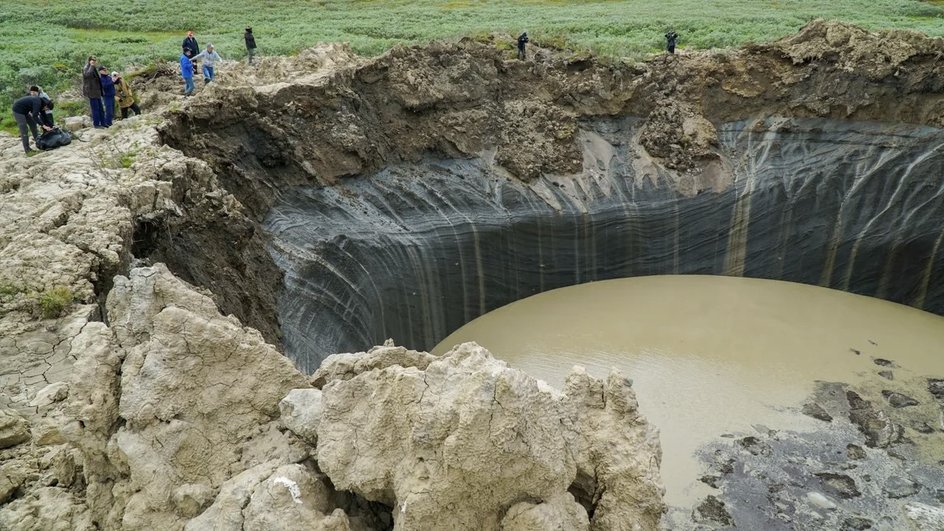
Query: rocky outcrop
point(171, 420)
point(460, 441)
point(857, 472)
point(622, 488)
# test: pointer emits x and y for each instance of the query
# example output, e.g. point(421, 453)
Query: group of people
point(190, 54)
point(671, 38)
point(103, 90)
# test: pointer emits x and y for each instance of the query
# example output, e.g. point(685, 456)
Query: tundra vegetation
point(46, 43)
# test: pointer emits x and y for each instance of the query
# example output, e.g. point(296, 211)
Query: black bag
point(53, 139)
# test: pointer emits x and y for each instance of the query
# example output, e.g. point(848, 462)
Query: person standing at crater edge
point(190, 43)
point(92, 89)
point(108, 96)
point(125, 96)
point(186, 71)
point(250, 43)
point(210, 57)
point(670, 39)
point(522, 42)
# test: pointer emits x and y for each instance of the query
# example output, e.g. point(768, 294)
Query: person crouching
point(125, 96)
point(28, 111)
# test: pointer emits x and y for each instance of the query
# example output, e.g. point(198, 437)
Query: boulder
point(347, 366)
point(618, 453)
point(13, 429)
point(457, 444)
point(197, 394)
point(75, 123)
point(301, 413)
point(451, 446)
point(560, 513)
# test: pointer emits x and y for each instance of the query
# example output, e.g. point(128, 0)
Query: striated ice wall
point(417, 250)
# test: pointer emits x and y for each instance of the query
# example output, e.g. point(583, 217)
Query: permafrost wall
point(418, 250)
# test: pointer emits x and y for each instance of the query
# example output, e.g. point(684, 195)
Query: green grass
point(46, 42)
point(54, 301)
point(9, 289)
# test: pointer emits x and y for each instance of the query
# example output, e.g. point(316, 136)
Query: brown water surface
point(709, 355)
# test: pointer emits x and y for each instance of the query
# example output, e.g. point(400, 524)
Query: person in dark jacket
point(28, 111)
point(92, 89)
point(190, 43)
point(186, 72)
point(522, 42)
point(670, 39)
point(250, 43)
point(47, 118)
point(108, 95)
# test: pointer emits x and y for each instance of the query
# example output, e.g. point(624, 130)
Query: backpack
point(53, 139)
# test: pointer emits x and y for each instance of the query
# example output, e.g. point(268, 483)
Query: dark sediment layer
point(418, 250)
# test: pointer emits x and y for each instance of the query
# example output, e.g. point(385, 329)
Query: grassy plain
point(46, 42)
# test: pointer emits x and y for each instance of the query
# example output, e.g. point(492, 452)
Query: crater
point(372, 205)
point(416, 250)
point(404, 196)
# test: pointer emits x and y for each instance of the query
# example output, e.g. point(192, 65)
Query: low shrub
point(53, 302)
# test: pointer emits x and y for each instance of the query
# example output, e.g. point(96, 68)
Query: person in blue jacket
point(186, 71)
point(108, 95)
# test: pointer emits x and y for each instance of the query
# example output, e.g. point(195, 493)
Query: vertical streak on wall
point(926, 278)
point(738, 232)
point(479, 270)
point(540, 258)
point(893, 202)
point(866, 170)
point(675, 240)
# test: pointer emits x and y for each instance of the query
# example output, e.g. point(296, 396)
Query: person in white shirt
point(209, 58)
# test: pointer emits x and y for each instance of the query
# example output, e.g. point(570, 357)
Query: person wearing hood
point(210, 57)
point(250, 43)
point(186, 72)
point(522, 42)
point(27, 111)
point(92, 89)
point(46, 117)
point(108, 95)
point(125, 96)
